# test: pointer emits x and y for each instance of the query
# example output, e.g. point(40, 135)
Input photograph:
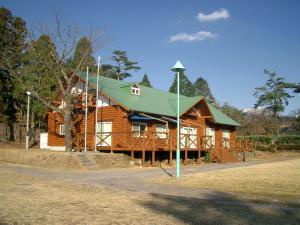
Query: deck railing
point(157, 141)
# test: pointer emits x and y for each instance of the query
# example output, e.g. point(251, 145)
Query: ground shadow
point(223, 208)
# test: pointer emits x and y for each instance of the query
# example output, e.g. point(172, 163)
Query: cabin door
point(104, 130)
point(188, 137)
point(210, 132)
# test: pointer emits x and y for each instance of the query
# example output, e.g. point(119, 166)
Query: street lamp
point(178, 67)
point(27, 122)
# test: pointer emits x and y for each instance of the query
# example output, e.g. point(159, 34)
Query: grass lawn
point(279, 180)
point(31, 200)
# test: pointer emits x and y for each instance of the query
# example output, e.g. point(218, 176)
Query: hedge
point(288, 139)
point(281, 140)
point(263, 139)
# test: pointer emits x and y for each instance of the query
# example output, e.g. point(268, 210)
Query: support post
point(132, 155)
point(171, 152)
point(199, 156)
point(153, 157)
point(143, 153)
point(143, 156)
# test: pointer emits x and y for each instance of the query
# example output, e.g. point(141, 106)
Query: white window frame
point(61, 129)
point(213, 140)
point(224, 135)
point(161, 131)
point(135, 89)
point(137, 133)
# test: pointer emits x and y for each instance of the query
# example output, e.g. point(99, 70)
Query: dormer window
point(135, 89)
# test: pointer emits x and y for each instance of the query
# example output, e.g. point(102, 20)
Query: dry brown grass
point(276, 180)
point(27, 200)
point(62, 160)
point(40, 158)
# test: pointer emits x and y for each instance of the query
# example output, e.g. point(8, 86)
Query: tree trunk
point(68, 131)
point(11, 130)
point(276, 123)
point(68, 123)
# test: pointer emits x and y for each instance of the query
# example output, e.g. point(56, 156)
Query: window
point(135, 89)
point(104, 133)
point(161, 130)
point(226, 138)
point(139, 129)
point(210, 137)
point(61, 129)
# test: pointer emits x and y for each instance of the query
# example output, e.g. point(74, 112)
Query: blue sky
point(229, 43)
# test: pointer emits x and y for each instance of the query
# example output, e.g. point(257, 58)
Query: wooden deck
point(219, 150)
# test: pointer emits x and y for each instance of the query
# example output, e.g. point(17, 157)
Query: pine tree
point(272, 95)
point(83, 50)
point(146, 82)
point(123, 66)
point(201, 87)
point(35, 73)
point(186, 86)
point(233, 112)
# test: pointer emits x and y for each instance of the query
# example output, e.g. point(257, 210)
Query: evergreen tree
point(146, 82)
point(294, 86)
point(272, 95)
point(12, 40)
point(201, 87)
point(123, 66)
point(233, 112)
point(35, 73)
point(186, 86)
point(83, 51)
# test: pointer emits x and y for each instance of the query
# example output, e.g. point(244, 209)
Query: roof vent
point(135, 89)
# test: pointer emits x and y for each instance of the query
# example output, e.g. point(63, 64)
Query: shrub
point(288, 147)
point(207, 157)
point(263, 139)
point(288, 139)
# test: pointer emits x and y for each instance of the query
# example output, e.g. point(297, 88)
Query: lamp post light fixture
point(27, 121)
point(178, 67)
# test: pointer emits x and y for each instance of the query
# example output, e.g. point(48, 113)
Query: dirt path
point(135, 179)
point(31, 195)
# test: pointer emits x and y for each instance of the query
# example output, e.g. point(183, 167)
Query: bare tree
point(65, 36)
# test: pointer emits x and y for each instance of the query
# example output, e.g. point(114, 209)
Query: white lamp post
point(178, 67)
point(27, 121)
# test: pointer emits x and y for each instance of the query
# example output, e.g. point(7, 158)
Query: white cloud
point(214, 16)
point(198, 36)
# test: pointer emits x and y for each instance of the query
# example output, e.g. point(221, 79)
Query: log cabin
point(141, 122)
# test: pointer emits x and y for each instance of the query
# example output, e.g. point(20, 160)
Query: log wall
point(197, 117)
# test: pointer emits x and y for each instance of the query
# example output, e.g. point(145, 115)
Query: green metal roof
point(150, 100)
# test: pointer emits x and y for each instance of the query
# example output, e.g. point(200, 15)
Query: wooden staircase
point(86, 160)
point(223, 155)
